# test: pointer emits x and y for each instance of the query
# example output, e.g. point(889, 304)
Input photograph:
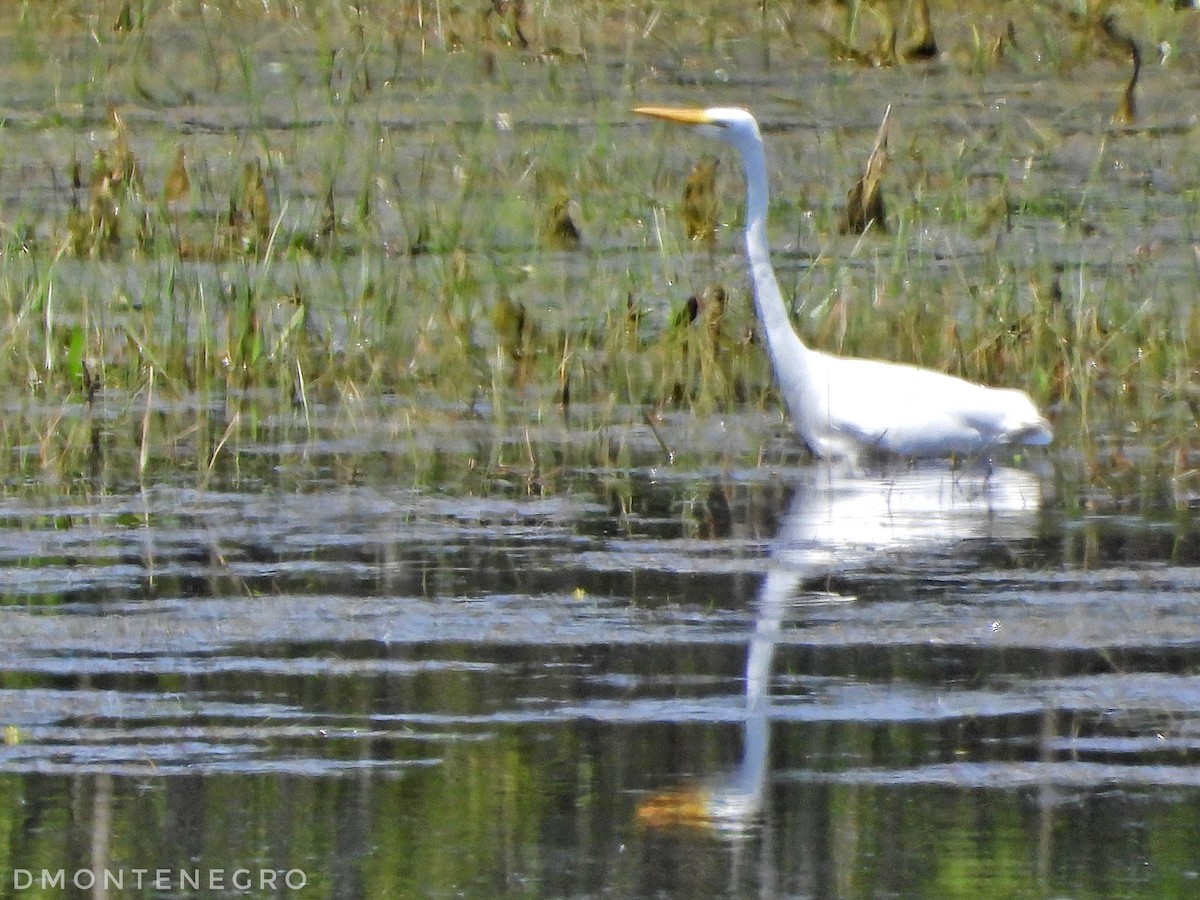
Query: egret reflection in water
point(837, 524)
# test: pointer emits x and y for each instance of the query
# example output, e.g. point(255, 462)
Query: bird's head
point(730, 124)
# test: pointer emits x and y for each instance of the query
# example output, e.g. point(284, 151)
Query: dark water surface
point(776, 681)
point(366, 649)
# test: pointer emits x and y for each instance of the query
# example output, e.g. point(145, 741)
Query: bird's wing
point(909, 410)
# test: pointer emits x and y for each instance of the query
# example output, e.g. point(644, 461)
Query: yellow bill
point(676, 114)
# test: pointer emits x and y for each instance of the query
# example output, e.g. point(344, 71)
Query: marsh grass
point(444, 217)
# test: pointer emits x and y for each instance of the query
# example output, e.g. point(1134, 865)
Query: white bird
point(842, 406)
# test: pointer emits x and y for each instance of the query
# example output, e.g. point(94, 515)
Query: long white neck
point(767, 297)
point(797, 368)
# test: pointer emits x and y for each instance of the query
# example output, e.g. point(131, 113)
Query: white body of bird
point(843, 406)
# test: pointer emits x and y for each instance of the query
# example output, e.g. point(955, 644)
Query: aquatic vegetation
point(311, 207)
point(384, 441)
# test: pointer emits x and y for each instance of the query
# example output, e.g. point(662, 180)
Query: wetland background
point(393, 491)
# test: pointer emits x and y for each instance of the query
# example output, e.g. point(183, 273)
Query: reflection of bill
point(838, 523)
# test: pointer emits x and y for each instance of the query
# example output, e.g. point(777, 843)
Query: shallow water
point(778, 679)
point(412, 646)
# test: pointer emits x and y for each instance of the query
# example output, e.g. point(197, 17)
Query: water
point(428, 646)
point(777, 680)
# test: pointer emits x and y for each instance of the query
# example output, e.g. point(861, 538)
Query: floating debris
point(328, 225)
point(512, 326)
point(177, 187)
point(700, 201)
point(864, 204)
point(686, 314)
point(923, 45)
point(558, 228)
point(255, 207)
point(1126, 113)
point(508, 14)
point(1001, 43)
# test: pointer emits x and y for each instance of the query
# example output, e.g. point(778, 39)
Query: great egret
point(841, 406)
